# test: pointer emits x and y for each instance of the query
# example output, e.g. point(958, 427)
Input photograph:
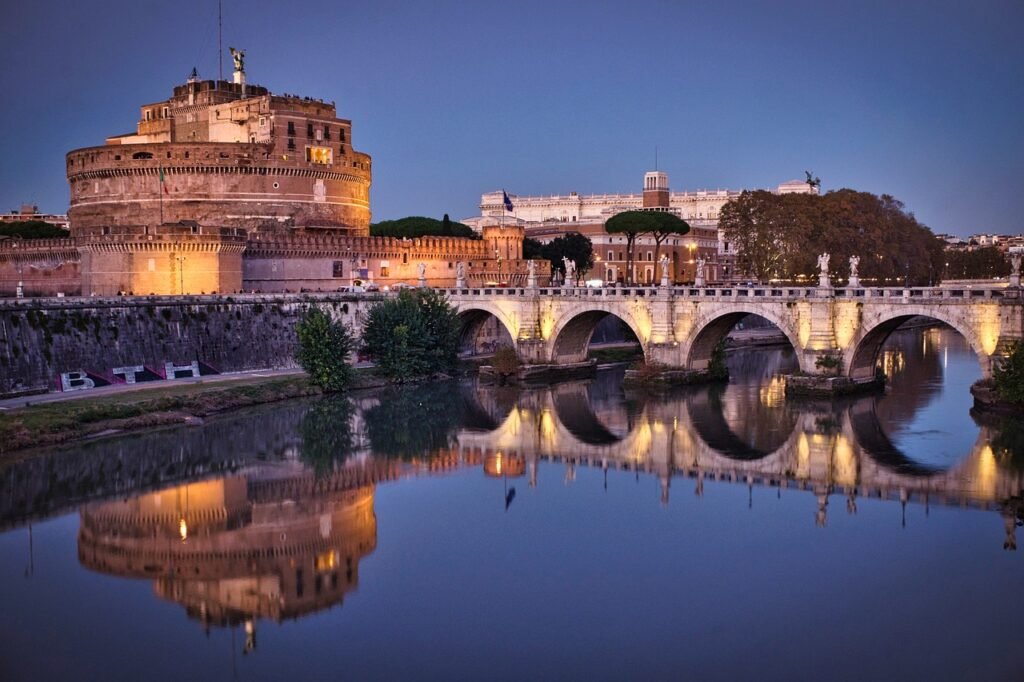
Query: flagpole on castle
point(160, 191)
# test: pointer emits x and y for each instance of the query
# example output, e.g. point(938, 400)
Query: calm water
point(578, 532)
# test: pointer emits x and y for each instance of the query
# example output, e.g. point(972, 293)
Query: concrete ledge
point(986, 400)
point(669, 377)
point(541, 374)
point(826, 387)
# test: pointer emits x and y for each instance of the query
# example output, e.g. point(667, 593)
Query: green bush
point(717, 369)
point(323, 350)
point(413, 335)
point(1009, 376)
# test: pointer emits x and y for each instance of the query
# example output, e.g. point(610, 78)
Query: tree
point(327, 434)
point(780, 236)
point(573, 246)
point(755, 224)
point(413, 335)
point(419, 226)
point(659, 224)
point(533, 249)
point(33, 229)
point(668, 225)
point(1008, 376)
point(323, 349)
point(983, 263)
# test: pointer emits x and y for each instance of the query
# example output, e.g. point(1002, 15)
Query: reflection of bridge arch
point(873, 440)
point(574, 412)
point(713, 328)
point(571, 334)
point(862, 353)
point(710, 424)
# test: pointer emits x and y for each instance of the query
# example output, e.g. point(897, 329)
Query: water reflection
point(266, 515)
point(272, 542)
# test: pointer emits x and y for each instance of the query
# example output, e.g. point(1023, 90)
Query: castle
point(227, 187)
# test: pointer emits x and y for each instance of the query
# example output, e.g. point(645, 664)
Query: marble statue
point(854, 262)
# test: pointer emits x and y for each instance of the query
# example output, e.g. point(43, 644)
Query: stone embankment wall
point(42, 338)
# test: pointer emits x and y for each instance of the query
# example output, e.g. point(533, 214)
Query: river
point(573, 532)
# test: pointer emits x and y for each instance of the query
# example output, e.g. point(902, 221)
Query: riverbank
point(56, 423)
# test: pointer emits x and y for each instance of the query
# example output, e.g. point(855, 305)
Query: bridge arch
point(474, 317)
point(712, 328)
point(570, 337)
point(861, 355)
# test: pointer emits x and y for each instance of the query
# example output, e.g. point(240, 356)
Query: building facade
point(547, 217)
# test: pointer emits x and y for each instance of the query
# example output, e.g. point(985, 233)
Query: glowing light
point(845, 472)
point(989, 328)
point(985, 474)
point(326, 561)
point(773, 393)
point(183, 529)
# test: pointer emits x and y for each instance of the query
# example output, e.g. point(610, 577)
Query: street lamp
point(181, 272)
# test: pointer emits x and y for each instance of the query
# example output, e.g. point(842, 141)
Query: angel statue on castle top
point(239, 58)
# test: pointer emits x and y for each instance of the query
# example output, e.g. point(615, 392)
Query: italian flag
point(162, 183)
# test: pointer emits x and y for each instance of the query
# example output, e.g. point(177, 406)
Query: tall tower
point(656, 189)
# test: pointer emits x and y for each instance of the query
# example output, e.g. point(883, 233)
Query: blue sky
point(921, 100)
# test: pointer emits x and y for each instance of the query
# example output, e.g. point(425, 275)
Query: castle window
point(321, 155)
point(168, 155)
point(327, 132)
point(117, 157)
point(291, 127)
point(165, 112)
point(338, 269)
point(341, 148)
point(405, 258)
point(611, 255)
point(148, 115)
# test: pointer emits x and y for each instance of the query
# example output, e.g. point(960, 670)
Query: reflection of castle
point(231, 553)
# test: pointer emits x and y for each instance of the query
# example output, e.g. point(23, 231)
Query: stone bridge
point(680, 326)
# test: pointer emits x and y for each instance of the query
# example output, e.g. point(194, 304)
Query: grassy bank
point(65, 421)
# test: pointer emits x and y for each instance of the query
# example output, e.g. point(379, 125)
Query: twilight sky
point(921, 100)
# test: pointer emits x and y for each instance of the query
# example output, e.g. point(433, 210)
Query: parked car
point(372, 287)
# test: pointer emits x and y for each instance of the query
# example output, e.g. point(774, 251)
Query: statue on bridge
point(570, 271)
point(823, 270)
point(531, 273)
point(664, 261)
point(854, 277)
point(1015, 258)
point(421, 269)
point(698, 279)
point(460, 274)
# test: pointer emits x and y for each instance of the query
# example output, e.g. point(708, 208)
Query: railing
point(746, 292)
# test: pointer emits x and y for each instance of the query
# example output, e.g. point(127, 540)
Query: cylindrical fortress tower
point(170, 208)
